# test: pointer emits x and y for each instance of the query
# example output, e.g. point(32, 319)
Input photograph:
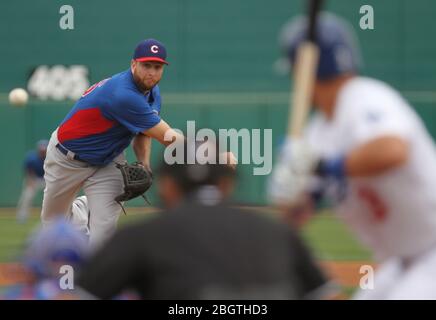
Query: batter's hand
point(292, 175)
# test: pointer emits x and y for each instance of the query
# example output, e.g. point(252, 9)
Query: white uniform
point(394, 214)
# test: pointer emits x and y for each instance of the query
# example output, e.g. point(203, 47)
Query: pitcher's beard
point(140, 84)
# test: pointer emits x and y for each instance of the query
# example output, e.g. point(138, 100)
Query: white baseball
point(18, 97)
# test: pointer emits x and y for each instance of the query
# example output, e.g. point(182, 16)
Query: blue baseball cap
point(150, 50)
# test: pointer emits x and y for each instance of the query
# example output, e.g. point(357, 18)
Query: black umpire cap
point(195, 164)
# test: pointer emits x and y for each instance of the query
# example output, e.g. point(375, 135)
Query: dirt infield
point(345, 273)
point(12, 273)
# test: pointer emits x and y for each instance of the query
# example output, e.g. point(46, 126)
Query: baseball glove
point(137, 180)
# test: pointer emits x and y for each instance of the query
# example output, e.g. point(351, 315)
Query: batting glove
point(292, 175)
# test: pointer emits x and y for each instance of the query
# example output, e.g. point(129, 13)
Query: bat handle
point(304, 77)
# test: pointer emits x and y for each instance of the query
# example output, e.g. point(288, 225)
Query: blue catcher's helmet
point(59, 242)
point(338, 46)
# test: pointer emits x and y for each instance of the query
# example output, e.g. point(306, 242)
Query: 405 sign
point(58, 82)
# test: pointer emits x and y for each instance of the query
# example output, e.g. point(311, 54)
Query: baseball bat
point(306, 63)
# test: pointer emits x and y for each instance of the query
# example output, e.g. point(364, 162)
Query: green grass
point(325, 234)
point(14, 235)
point(330, 239)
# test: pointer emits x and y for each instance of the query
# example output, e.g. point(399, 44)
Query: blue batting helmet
point(338, 47)
point(58, 242)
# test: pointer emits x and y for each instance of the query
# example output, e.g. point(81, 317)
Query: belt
point(68, 153)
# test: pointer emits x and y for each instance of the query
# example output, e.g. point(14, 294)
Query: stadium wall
point(221, 72)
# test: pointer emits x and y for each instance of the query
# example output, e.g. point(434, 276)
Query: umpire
point(202, 248)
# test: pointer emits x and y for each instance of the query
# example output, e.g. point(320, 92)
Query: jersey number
point(374, 202)
point(95, 85)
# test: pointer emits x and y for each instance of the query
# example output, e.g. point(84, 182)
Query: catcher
point(86, 151)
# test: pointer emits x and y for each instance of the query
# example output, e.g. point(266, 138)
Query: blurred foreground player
point(201, 248)
point(369, 152)
point(50, 248)
point(33, 179)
